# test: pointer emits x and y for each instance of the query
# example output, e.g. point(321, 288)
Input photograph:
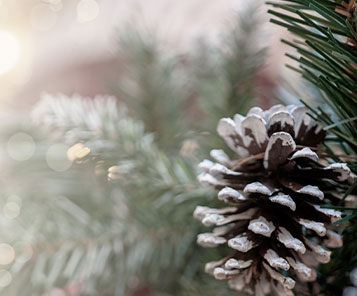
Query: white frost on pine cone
point(274, 200)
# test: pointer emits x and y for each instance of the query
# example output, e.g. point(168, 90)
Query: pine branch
point(79, 216)
point(154, 85)
point(225, 74)
point(328, 57)
point(95, 236)
point(54, 221)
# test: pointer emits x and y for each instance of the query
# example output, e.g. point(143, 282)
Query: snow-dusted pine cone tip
point(273, 221)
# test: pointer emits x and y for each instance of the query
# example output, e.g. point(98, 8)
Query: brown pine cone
point(274, 222)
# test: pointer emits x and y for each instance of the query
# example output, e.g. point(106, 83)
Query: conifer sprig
point(326, 56)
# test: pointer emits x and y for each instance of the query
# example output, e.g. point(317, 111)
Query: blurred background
point(107, 107)
point(71, 46)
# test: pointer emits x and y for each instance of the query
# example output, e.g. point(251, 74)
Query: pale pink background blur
point(70, 45)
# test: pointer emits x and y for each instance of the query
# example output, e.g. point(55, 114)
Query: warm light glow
point(7, 254)
point(9, 51)
point(5, 278)
point(11, 210)
point(77, 152)
point(21, 146)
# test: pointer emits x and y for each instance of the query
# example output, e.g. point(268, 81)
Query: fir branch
point(154, 85)
point(329, 55)
point(84, 216)
point(92, 236)
point(327, 59)
point(225, 75)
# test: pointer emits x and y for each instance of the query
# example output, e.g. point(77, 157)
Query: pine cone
point(273, 221)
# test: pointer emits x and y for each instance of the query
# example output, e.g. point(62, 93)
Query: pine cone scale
point(274, 220)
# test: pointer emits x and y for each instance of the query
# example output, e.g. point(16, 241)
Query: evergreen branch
point(92, 236)
point(327, 50)
point(150, 188)
point(154, 86)
point(225, 75)
point(340, 122)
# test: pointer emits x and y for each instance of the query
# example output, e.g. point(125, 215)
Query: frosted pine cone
point(273, 221)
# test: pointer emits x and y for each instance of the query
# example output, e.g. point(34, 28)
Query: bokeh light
point(5, 278)
point(77, 152)
point(350, 291)
point(21, 146)
point(11, 210)
point(9, 51)
point(15, 198)
point(87, 10)
point(57, 158)
point(7, 254)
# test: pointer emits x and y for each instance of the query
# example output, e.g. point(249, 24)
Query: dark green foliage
point(342, 262)
point(326, 56)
